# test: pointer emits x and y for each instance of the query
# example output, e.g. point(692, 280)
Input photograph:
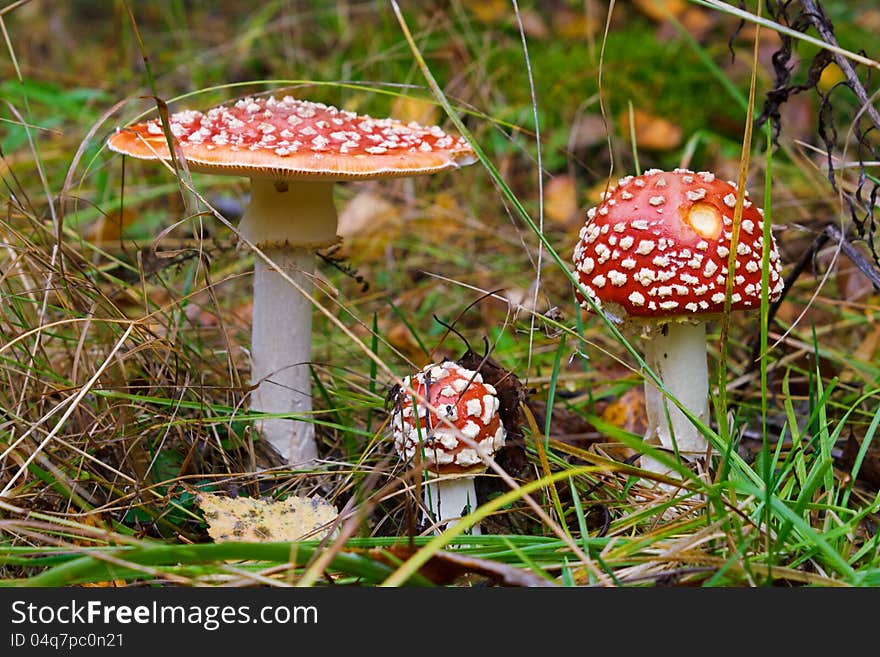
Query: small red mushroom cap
point(462, 398)
point(658, 245)
point(262, 136)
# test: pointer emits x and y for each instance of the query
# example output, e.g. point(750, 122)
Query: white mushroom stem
point(286, 220)
point(447, 499)
point(676, 352)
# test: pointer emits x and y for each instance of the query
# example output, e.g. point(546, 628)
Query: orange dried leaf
point(870, 20)
point(698, 22)
point(489, 11)
point(110, 227)
point(560, 201)
point(573, 25)
point(661, 10)
point(652, 132)
point(627, 412)
point(401, 338)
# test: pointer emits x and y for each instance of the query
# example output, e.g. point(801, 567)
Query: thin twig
point(817, 18)
point(830, 232)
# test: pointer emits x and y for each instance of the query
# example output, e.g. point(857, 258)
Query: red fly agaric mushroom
point(448, 447)
point(655, 254)
point(293, 151)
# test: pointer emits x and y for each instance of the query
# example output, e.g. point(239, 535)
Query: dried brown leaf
point(109, 228)
point(869, 472)
point(587, 131)
point(445, 568)
point(533, 24)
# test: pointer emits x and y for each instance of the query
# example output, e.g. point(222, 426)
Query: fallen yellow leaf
point(367, 224)
point(830, 76)
point(410, 108)
point(249, 519)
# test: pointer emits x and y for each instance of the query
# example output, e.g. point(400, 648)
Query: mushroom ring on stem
point(655, 254)
point(293, 151)
point(447, 448)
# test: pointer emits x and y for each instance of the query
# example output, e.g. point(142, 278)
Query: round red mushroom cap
point(658, 245)
point(262, 136)
point(464, 399)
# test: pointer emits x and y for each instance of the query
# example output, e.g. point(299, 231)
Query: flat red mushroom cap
point(463, 399)
point(262, 136)
point(658, 245)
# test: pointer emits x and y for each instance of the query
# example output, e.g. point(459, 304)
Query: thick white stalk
point(286, 220)
point(290, 212)
point(281, 349)
point(676, 351)
point(447, 499)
